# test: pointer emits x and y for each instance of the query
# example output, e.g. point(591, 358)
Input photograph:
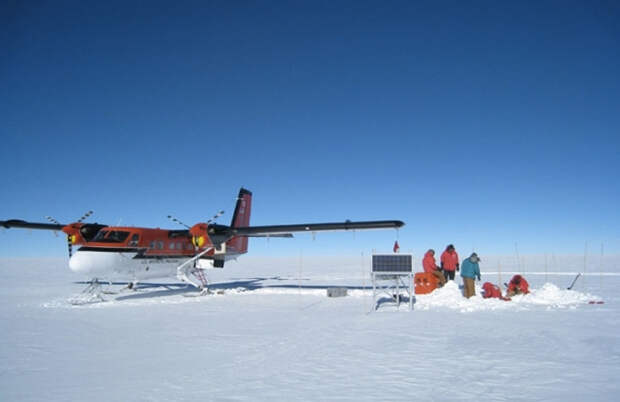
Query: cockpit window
point(101, 235)
point(111, 236)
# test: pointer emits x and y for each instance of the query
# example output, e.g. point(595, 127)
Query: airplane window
point(160, 245)
point(134, 240)
point(100, 235)
point(152, 244)
point(171, 246)
point(111, 236)
point(116, 236)
point(179, 246)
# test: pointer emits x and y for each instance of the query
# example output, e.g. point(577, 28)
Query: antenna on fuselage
point(175, 220)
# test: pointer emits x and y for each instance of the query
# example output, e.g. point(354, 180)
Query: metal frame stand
point(390, 276)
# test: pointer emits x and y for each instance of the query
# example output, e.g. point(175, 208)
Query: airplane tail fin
point(241, 218)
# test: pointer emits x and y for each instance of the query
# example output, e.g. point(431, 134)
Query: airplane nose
point(79, 263)
point(98, 264)
point(91, 263)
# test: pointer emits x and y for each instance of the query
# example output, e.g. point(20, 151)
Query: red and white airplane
point(135, 254)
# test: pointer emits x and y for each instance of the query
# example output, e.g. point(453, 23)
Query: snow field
point(274, 335)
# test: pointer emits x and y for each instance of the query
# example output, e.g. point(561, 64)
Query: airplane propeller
point(70, 238)
point(55, 222)
point(220, 213)
point(86, 215)
point(175, 220)
point(198, 240)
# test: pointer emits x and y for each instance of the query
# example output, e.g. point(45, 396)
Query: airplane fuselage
point(132, 254)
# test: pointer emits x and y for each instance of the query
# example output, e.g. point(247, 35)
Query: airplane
point(136, 254)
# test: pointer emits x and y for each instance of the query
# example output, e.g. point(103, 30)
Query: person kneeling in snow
point(518, 285)
point(430, 266)
point(469, 271)
point(491, 291)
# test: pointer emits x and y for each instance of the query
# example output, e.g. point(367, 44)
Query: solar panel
point(392, 263)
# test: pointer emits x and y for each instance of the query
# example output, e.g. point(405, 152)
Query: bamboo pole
point(601, 270)
point(499, 273)
point(585, 264)
point(518, 258)
point(363, 283)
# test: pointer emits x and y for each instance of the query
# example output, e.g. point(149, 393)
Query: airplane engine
point(200, 236)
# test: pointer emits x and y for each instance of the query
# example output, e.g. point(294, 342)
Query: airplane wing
point(284, 235)
point(18, 223)
point(286, 230)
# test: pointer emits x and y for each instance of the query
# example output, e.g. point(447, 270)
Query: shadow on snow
point(152, 289)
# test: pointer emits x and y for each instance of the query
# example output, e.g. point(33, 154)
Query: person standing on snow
point(431, 267)
point(449, 262)
point(469, 271)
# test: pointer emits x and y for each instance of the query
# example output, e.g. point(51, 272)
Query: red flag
point(396, 247)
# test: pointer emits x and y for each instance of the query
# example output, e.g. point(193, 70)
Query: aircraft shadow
point(259, 283)
point(144, 290)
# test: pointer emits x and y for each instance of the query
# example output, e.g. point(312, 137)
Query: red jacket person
point(431, 267)
point(449, 262)
point(518, 285)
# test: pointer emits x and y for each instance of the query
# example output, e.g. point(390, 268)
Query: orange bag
point(424, 282)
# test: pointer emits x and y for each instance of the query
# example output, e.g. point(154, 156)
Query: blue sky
point(482, 124)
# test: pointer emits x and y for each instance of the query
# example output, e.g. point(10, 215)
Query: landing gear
point(94, 287)
point(202, 287)
point(189, 267)
point(92, 294)
point(200, 275)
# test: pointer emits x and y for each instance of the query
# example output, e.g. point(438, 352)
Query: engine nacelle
point(200, 236)
point(73, 233)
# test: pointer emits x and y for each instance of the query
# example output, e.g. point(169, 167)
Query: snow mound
point(552, 296)
point(549, 295)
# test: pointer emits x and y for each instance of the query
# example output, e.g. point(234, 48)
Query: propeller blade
point(175, 220)
point(86, 215)
point(52, 220)
point(55, 222)
point(216, 216)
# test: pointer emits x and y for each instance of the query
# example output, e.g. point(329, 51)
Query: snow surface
point(274, 335)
